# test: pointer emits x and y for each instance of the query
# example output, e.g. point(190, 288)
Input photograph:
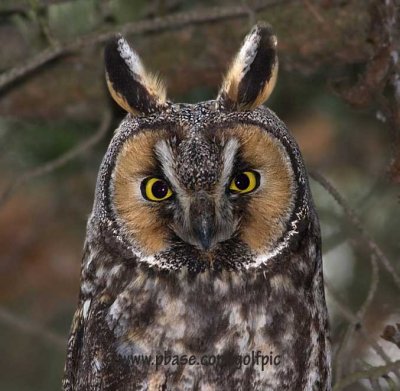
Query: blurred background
point(338, 91)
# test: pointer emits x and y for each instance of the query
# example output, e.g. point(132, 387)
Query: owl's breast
point(245, 327)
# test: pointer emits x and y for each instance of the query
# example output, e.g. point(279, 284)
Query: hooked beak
point(202, 213)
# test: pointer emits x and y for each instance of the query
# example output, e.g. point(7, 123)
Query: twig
point(372, 373)
point(320, 19)
point(60, 161)
point(372, 287)
point(356, 222)
point(356, 320)
point(159, 24)
point(31, 328)
point(360, 314)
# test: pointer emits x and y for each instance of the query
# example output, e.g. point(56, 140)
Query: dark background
point(338, 91)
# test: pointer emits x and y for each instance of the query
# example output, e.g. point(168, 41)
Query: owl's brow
point(166, 157)
point(228, 159)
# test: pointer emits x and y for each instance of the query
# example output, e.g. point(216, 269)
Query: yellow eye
point(245, 182)
point(155, 189)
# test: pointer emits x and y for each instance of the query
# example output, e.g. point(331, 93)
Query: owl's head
point(216, 184)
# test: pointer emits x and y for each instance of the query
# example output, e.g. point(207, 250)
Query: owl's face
point(212, 180)
point(203, 187)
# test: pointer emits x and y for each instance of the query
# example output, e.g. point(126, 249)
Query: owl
point(202, 265)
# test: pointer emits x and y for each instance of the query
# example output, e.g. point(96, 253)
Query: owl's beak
point(202, 213)
point(203, 230)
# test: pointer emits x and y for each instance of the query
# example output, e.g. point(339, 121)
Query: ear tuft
point(252, 75)
point(135, 90)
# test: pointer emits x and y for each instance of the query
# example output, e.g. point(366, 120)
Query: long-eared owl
point(202, 263)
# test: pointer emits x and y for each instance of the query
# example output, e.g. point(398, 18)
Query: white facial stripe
point(228, 158)
point(165, 155)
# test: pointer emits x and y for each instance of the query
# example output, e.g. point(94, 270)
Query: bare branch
point(356, 222)
point(31, 328)
point(159, 24)
point(356, 322)
point(314, 12)
point(373, 287)
point(360, 314)
point(60, 161)
point(372, 373)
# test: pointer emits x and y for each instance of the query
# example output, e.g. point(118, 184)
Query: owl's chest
point(208, 317)
point(227, 331)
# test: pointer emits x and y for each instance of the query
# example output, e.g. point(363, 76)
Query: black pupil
point(242, 181)
point(159, 189)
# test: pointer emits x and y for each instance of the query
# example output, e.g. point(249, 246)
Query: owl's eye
point(155, 189)
point(245, 182)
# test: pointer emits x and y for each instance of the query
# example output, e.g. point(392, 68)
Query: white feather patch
point(86, 306)
point(228, 158)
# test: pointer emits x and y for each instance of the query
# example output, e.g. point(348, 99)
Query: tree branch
point(357, 323)
point(159, 24)
point(373, 373)
point(356, 222)
point(360, 315)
